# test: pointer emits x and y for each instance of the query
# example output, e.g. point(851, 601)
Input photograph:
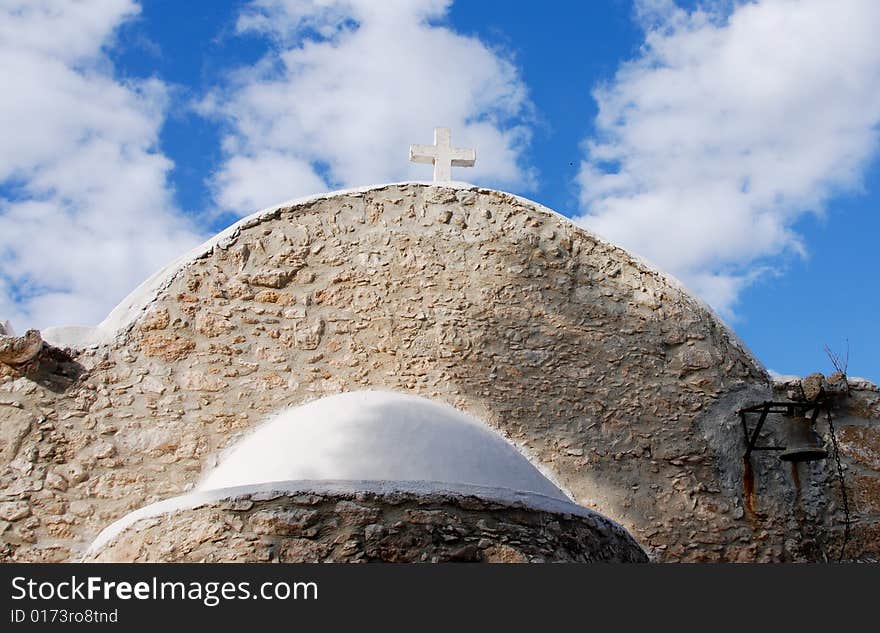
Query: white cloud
point(85, 207)
point(347, 86)
point(729, 127)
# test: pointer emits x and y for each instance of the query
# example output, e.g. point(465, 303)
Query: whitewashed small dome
point(377, 436)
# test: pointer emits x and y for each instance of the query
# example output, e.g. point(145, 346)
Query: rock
point(862, 384)
point(266, 296)
point(466, 198)
point(695, 358)
point(14, 427)
point(212, 325)
point(297, 312)
point(465, 554)
point(14, 510)
point(166, 346)
point(81, 508)
point(76, 472)
point(282, 522)
point(503, 554)
point(152, 385)
point(103, 450)
point(352, 511)
point(270, 278)
point(836, 383)
point(440, 195)
point(156, 319)
point(308, 335)
point(240, 255)
point(16, 350)
point(56, 481)
point(374, 532)
point(240, 505)
point(813, 386)
point(153, 441)
point(793, 390)
point(195, 380)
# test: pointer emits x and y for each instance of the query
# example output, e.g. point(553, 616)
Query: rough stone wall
point(300, 527)
point(619, 384)
point(855, 414)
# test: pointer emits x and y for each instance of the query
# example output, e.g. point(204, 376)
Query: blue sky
point(734, 144)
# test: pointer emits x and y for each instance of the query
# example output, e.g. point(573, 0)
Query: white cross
point(442, 155)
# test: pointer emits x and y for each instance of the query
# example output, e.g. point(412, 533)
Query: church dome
point(377, 435)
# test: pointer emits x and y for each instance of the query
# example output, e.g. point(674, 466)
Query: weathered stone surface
point(56, 481)
point(270, 278)
point(266, 296)
point(194, 380)
point(863, 399)
point(836, 383)
point(618, 383)
point(14, 510)
point(15, 350)
point(212, 325)
point(866, 492)
point(503, 554)
point(156, 319)
point(812, 386)
point(862, 444)
point(335, 527)
point(282, 522)
point(14, 426)
point(168, 347)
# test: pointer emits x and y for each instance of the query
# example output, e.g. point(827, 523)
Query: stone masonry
point(607, 374)
point(305, 526)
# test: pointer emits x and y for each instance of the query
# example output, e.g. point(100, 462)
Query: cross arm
point(422, 153)
point(463, 157)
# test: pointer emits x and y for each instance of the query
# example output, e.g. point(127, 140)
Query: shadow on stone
point(53, 369)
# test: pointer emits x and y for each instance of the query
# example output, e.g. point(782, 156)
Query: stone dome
point(378, 436)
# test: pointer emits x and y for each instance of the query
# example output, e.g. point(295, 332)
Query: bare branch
point(839, 364)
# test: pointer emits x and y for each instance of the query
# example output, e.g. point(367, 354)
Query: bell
point(803, 444)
